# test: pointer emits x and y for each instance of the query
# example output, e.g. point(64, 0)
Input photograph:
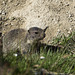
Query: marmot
point(20, 39)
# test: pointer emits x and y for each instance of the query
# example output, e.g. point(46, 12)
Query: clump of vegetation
point(67, 42)
point(60, 61)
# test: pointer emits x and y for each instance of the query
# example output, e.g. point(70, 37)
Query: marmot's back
point(12, 39)
point(14, 34)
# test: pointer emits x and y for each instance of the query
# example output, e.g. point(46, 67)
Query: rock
point(3, 13)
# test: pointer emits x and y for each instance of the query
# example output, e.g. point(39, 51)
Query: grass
point(60, 61)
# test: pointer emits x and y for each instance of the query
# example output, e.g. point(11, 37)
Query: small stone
point(70, 19)
point(42, 57)
point(3, 13)
point(16, 4)
point(12, 24)
point(6, 24)
point(70, 28)
point(69, 32)
point(15, 55)
point(36, 66)
point(10, 0)
point(59, 30)
point(12, 18)
point(4, 18)
point(67, 5)
point(4, 2)
point(71, 15)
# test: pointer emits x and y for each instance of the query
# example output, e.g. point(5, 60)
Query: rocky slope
point(59, 15)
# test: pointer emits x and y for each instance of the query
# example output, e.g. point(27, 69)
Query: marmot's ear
point(46, 28)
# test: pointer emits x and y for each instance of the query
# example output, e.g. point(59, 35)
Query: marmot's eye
point(36, 32)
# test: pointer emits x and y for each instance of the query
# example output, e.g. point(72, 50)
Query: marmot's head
point(35, 34)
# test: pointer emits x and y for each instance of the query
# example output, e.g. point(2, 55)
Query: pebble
point(3, 13)
point(15, 55)
point(3, 18)
point(42, 57)
point(71, 15)
point(10, 0)
point(12, 18)
point(69, 32)
point(67, 5)
point(6, 24)
point(3, 2)
point(12, 24)
point(16, 4)
point(36, 66)
point(59, 30)
point(70, 19)
point(70, 28)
